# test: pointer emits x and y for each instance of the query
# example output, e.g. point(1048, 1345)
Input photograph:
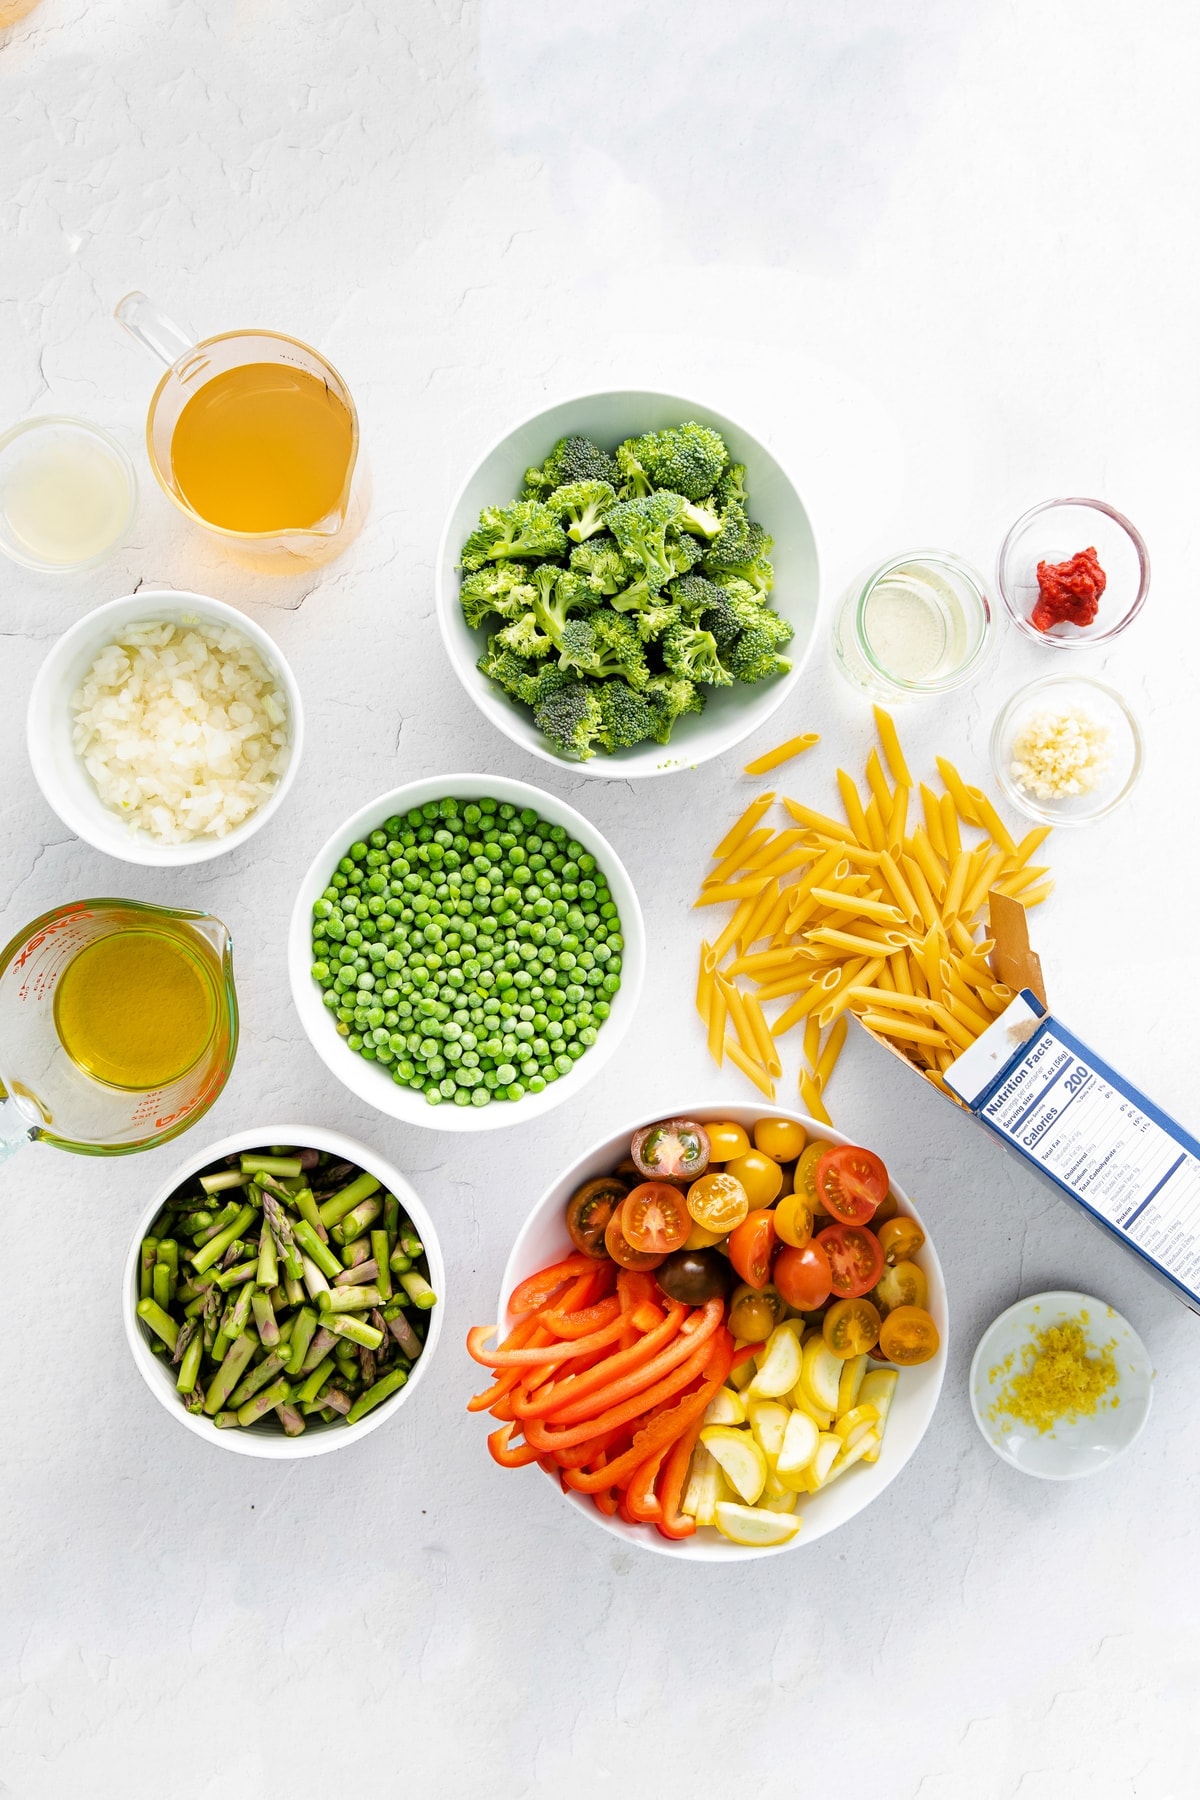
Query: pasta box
point(1068, 1114)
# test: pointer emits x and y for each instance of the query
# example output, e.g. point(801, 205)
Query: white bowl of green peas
point(284, 1292)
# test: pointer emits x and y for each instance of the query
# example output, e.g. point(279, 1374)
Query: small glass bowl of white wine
point(918, 625)
point(68, 492)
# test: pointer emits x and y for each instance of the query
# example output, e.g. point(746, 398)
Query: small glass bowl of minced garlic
point(1066, 750)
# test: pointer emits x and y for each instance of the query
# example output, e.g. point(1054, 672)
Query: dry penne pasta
point(818, 821)
point(956, 787)
point(812, 1041)
point(811, 1096)
point(768, 1054)
point(762, 765)
point(885, 725)
point(854, 809)
point(747, 1064)
point(877, 781)
point(830, 1052)
point(883, 910)
point(744, 826)
point(705, 981)
point(716, 1025)
point(888, 1025)
point(741, 858)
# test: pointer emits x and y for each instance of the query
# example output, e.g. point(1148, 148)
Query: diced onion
point(183, 729)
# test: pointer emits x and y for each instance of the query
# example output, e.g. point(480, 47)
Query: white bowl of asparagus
point(283, 1292)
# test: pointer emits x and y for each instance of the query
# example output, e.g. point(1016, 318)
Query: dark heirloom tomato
point(655, 1218)
point(588, 1211)
point(694, 1276)
point(672, 1149)
point(855, 1259)
point(850, 1183)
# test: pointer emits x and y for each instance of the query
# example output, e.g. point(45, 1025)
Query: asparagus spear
point(379, 1256)
point(405, 1336)
point(146, 1268)
point(211, 1251)
point(221, 1179)
point(347, 1300)
point(380, 1390)
point(338, 1205)
point(160, 1322)
point(270, 1165)
point(357, 1220)
point(418, 1290)
point(265, 1321)
point(230, 1372)
point(347, 1326)
point(317, 1252)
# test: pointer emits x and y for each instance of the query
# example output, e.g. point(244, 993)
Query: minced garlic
point(1063, 1379)
point(1060, 751)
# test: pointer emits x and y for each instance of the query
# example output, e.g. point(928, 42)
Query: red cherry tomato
point(655, 1218)
point(851, 1183)
point(803, 1276)
point(750, 1246)
point(622, 1251)
point(855, 1259)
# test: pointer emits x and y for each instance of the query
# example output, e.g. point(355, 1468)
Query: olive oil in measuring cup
point(136, 1009)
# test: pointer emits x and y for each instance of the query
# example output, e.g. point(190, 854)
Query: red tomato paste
point(1069, 592)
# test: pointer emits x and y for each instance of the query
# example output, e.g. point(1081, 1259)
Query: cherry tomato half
point(794, 1220)
point(718, 1201)
point(901, 1239)
point(850, 1327)
point(855, 1259)
point(726, 1140)
point(750, 1247)
point(754, 1313)
point(850, 1183)
point(760, 1176)
point(672, 1147)
point(909, 1336)
point(654, 1218)
point(803, 1276)
point(588, 1211)
point(780, 1139)
point(804, 1179)
point(622, 1251)
point(903, 1285)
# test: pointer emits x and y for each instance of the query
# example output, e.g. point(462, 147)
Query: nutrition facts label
point(1106, 1144)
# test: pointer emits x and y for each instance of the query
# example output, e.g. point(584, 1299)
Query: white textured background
point(942, 254)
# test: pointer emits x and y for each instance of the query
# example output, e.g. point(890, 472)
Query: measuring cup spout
point(152, 328)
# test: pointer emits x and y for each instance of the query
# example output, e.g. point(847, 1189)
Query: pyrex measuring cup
point(191, 368)
point(45, 1093)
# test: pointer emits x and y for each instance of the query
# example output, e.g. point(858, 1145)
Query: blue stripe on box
point(1177, 1164)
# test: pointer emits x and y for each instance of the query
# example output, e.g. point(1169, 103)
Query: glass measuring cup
point(45, 1093)
point(273, 371)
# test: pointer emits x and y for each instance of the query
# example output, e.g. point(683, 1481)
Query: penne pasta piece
point(970, 1017)
point(798, 983)
point(732, 932)
point(760, 961)
point(1024, 878)
point(800, 1008)
point(923, 851)
point(957, 787)
point(742, 827)
point(977, 893)
point(1033, 840)
point(817, 821)
point(738, 1016)
point(882, 910)
point(950, 831)
point(742, 857)
point(933, 821)
point(811, 1096)
point(1035, 896)
point(777, 843)
point(877, 781)
point(836, 1003)
point(855, 816)
point(768, 1055)
point(956, 886)
point(705, 981)
point(762, 765)
point(901, 971)
point(876, 829)
point(952, 1028)
point(812, 1041)
point(757, 1074)
point(898, 823)
point(729, 890)
point(885, 725)
point(858, 943)
point(914, 874)
point(887, 1025)
point(992, 823)
point(773, 922)
point(830, 1052)
point(753, 928)
point(786, 864)
point(904, 897)
point(876, 1001)
point(716, 1026)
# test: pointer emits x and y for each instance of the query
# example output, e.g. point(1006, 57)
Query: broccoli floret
point(754, 657)
point(501, 588)
point(557, 593)
point(640, 528)
point(683, 551)
point(503, 666)
point(625, 717)
point(572, 459)
point(704, 520)
point(732, 486)
point(604, 645)
point(633, 480)
point(601, 565)
point(686, 458)
point(527, 528)
point(692, 653)
point(753, 565)
point(570, 717)
point(524, 638)
point(669, 697)
point(732, 542)
point(537, 687)
point(581, 506)
point(651, 622)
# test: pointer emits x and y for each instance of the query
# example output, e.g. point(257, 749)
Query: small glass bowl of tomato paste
point(1056, 532)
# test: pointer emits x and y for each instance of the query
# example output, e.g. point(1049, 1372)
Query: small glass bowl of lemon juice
point(67, 493)
point(917, 625)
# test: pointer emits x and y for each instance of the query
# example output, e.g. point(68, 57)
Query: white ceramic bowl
point(264, 1439)
point(373, 1083)
point(543, 1240)
point(60, 774)
point(1087, 1445)
point(731, 713)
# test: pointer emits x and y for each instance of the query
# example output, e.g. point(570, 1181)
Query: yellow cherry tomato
point(700, 1239)
point(718, 1201)
point(904, 1284)
point(909, 1336)
point(805, 1179)
point(850, 1327)
point(781, 1139)
point(726, 1141)
point(754, 1313)
point(760, 1176)
point(794, 1220)
point(899, 1238)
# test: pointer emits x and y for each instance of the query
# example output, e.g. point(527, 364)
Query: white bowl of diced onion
point(543, 1240)
point(258, 680)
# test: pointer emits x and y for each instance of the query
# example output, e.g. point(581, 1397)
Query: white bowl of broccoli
point(628, 583)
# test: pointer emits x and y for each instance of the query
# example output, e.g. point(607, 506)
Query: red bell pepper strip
point(537, 1433)
point(606, 1501)
point(516, 1458)
point(535, 1290)
point(635, 1381)
point(478, 1336)
point(713, 1360)
point(577, 1383)
point(673, 1523)
point(641, 1500)
point(648, 1316)
point(579, 1323)
point(637, 1287)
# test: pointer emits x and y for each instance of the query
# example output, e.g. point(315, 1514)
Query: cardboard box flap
point(1012, 959)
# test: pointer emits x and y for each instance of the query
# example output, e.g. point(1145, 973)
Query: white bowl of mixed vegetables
point(752, 1487)
point(628, 582)
point(284, 1291)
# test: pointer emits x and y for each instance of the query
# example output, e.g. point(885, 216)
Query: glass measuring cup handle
point(15, 1129)
point(153, 330)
